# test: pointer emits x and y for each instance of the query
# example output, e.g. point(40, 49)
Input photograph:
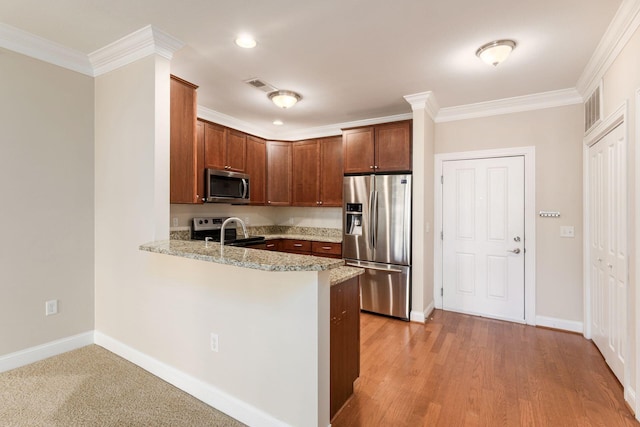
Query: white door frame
point(618, 117)
point(529, 154)
point(637, 263)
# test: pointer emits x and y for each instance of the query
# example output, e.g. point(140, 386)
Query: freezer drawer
point(384, 288)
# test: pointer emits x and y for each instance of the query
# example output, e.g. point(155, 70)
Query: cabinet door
point(331, 250)
point(278, 173)
point(344, 342)
point(358, 150)
point(305, 173)
point(256, 165)
point(393, 147)
point(215, 137)
point(331, 171)
point(236, 151)
point(183, 144)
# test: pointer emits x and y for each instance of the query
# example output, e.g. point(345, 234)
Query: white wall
point(46, 182)
point(262, 215)
point(556, 134)
point(273, 328)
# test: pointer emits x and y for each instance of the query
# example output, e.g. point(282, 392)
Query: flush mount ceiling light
point(278, 122)
point(495, 52)
point(246, 41)
point(284, 98)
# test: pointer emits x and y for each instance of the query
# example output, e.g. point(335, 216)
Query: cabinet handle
point(326, 248)
point(320, 202)
point(297, 245)
point(269, 202)
point(370, 167)
point(271, 245)
point(375, 167)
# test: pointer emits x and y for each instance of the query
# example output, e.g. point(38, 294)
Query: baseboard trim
point(207, 393)
point(563, 324)
point(630, 400)
point(44, 351)
point(421, 316)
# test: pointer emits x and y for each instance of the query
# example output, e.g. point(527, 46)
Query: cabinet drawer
point(272, 245)
point(295, 246)
point(321, 248)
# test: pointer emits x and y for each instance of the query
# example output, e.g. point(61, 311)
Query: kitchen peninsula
point(277, 314)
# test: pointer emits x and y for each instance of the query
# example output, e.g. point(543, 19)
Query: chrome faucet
point(228, 220)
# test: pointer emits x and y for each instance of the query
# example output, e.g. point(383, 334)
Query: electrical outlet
point(214, 342)
point(175, 222)
point(567, 231)
point(51, 307)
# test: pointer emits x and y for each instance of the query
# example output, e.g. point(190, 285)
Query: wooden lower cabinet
point(344, 342)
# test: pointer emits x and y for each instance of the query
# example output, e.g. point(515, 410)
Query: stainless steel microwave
point(226, 187)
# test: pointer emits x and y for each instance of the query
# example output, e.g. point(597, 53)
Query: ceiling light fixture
point(284, 98)
point(246, 41)
point(278, 122)
point(495, 52)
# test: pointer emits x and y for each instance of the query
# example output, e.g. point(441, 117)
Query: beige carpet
point(93, 387)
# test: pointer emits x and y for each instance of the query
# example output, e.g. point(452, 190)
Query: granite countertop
point(341, 274)
point(311, 237)
point(242, 257)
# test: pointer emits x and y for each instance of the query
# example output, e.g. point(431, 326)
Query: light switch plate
point(567, 231)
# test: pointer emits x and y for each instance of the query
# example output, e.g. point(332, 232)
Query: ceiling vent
point(593, 109)
point(259, 84)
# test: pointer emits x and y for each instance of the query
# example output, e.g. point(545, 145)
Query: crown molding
point(424, 101)
point(229, 121)
point(336, 129)
point(537, 101)
point(28, 44)
point(622, 27)
point(137, 45)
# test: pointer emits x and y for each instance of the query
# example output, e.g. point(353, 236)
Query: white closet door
point(608, 247)
point(483, 237)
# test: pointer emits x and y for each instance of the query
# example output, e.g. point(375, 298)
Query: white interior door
point(608, 247)
point(483, 237)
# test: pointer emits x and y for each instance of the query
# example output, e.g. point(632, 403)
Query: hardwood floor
point(459, 370)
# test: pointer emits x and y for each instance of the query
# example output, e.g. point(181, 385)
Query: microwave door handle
point(245, 188)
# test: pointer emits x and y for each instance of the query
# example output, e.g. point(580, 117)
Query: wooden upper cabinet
point(186, 159)
point(224, 148)
point(256, 169)
point(393, 147)
point(358, 146)
point(379, 148)
point(235, 151)
point(200, 161)
point(278, 173)
point(305, 173)
point(214, 142)
point(331, 171)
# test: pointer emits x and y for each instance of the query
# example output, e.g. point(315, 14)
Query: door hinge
point(441, 179)
point(441, 292)
point(442, 235)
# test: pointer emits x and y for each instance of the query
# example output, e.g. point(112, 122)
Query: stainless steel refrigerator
point(377, 237)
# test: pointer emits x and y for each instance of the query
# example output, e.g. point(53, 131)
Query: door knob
point(515, 251)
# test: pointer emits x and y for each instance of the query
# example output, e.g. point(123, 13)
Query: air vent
point(593, 109)
point(259, 84)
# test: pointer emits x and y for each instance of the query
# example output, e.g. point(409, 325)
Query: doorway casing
point(529, 220)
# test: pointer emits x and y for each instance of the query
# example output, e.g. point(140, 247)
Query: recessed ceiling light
point(278, 122)
point(246, 41)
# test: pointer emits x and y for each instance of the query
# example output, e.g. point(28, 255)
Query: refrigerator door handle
point(368, 267)
point(372, 219)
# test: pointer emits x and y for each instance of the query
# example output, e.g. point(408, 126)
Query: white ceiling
point(350, 59)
